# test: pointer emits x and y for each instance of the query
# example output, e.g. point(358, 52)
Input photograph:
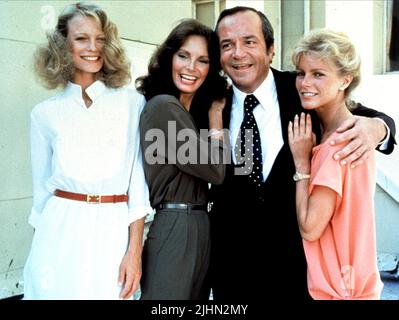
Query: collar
point(262, 93)
point(94, 91)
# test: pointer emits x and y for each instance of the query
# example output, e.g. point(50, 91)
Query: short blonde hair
point(334, 47)
point(53, 61)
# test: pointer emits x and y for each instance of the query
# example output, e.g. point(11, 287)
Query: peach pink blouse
point(342, 264)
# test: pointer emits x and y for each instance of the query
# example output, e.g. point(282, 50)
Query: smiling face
point(190, 66)
point(318, 82)
point(86, 40)
point(244, 56)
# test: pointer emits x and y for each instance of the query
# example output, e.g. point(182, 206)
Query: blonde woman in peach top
point(334, 202)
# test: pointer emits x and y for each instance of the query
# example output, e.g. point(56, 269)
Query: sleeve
point(139, 199)
point(41, 155)
point(191, 152)
point(384, 143)
point(367, 112)
point(325, 171)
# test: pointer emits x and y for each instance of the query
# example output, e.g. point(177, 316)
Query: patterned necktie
point(249, 128)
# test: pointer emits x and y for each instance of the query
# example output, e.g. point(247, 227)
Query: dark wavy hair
point(159, 79)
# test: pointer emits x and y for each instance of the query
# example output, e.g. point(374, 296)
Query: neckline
point(95, 90)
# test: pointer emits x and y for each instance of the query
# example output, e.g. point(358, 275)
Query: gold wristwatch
point(300, 176)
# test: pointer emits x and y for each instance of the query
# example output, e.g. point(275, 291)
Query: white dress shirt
point(267, 116)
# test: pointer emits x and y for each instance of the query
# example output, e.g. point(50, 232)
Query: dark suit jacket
point(256, 244)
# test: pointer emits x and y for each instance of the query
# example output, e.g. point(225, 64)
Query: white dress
point(77, 247)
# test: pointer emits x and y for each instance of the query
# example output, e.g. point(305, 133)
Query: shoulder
point(283, 75)
point(44, 108)
point(324, 152)
point(163, 99)
point(132, 92)
point(164, 103)
point(286, 90)
point(163, 108)
point(127, 97)
point(136, 99)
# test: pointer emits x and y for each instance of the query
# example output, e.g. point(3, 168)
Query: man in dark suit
point(256, 245)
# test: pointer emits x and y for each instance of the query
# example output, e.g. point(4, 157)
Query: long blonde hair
point(53, 61)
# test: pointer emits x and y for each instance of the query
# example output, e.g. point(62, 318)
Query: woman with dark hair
point(183, 76)
point(89, 190)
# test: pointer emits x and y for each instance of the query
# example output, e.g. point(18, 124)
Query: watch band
point(300, 176)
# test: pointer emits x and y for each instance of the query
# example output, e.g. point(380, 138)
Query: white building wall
point(355, 18)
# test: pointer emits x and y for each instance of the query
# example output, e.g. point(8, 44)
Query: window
point(204, 11)
point(207, 11)
point(393, 35)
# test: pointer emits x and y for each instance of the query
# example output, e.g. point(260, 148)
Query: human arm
point(312, 217)
point(41, 155)
point(215, 115)
point(364, 131)
point(138, 207)
point(130, 269)
point(139, 198)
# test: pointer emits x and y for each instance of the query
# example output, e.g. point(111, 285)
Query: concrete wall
point(387, 222)
point(387, 225)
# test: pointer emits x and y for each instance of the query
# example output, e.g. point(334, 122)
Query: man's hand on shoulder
point(364, 134)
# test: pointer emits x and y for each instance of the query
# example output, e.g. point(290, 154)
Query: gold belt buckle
point(92, 198)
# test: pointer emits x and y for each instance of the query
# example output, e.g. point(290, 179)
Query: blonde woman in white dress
point(89, 192)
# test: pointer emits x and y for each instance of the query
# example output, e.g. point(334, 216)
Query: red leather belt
point(91, 198)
